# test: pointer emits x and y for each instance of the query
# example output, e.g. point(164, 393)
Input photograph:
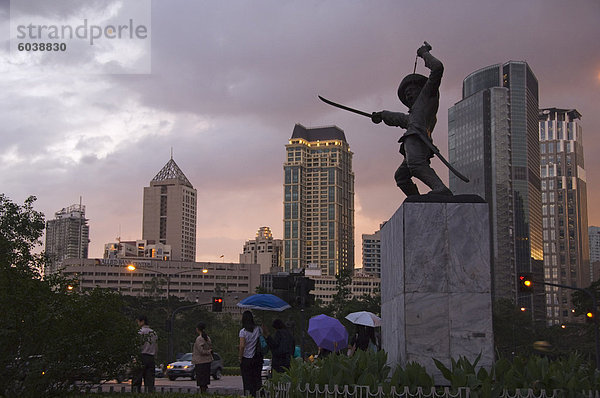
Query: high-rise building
point(371, 253)
point(263, 250)
point(594, 237)
point(170, 212)
point(493, 139)
point(318, 217)
point(564, 210)
point(67, 236)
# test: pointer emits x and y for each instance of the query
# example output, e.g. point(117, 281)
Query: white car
point(266, 371)
point(185, 368)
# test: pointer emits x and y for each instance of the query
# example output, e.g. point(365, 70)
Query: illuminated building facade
point(318, 202)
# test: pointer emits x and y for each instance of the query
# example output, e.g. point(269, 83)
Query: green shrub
point(570, 375)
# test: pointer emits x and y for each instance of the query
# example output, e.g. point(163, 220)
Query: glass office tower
point(493, 139)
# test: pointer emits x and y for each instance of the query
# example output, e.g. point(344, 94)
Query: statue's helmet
point(412, 79)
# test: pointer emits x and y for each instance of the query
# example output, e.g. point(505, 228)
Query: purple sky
point(230, 79)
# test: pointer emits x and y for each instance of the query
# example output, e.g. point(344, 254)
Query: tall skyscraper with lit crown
point(169, 215)
point(318, 219)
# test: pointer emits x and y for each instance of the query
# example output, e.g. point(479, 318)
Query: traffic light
point(281, 282)
point(525, 283)
point(217, 304)
point(303, 287)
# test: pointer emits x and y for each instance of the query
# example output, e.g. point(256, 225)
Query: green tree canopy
point(50, 336)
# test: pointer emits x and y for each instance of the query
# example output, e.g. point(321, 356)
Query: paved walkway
point(227, 385)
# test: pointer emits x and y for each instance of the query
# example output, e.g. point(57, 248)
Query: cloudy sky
point(224, 82)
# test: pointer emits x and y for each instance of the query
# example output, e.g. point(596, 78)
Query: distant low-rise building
point(192, 281)
point(137, 249)
point(325, 285)
point(263, 250)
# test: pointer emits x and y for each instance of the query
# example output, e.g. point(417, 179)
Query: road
point(227, 385)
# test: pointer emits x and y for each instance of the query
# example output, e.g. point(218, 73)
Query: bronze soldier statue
point(422, 97)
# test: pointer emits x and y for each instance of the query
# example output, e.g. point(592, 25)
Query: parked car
point(266, 371)
point(184, 367)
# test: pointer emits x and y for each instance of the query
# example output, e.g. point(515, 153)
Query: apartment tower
point(564, 210)
point(318, 217)
point(169, 215)
point(371, 253)
point(493, 139)
point(67, 236)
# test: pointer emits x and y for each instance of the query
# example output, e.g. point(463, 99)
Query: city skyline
point(230, 80)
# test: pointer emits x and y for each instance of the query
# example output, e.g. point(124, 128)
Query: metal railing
point(271, 390)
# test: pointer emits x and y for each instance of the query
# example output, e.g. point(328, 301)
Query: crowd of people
point(254, 341)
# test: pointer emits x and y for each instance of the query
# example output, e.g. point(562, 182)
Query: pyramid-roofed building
point(172, 172)
point(169, 215)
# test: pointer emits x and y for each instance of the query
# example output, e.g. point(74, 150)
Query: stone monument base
point(436, 285)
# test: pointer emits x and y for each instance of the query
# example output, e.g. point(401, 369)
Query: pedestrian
point(364, 339)
point(202, 357)
point(145, 370)
point(422, 97)
point(322, 352)
point(281, 345)
point(250, 354)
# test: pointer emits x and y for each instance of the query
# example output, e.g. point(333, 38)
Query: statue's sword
point(425, 140)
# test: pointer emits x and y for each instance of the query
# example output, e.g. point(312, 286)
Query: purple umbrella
point(328, 332)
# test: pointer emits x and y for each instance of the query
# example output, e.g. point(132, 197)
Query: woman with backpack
point(250, 354)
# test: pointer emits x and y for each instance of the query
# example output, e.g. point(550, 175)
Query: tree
point(21, 228)
point(342, 282)
point(51, 336)
point(583, 302)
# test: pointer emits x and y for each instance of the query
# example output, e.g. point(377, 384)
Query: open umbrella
point(328, 332)
point(365, 318)
point(267, 302)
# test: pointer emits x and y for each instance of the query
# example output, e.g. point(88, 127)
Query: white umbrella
point(365, 318)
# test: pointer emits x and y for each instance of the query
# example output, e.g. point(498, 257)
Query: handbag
point(262, 348)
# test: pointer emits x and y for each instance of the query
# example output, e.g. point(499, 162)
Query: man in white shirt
point(145, 370)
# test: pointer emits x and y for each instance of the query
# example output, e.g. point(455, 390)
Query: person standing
point(250, 355)
point(281, 345)
point(148, 352)
point(202, 357)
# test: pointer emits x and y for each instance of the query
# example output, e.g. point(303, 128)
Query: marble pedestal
point(435, 285)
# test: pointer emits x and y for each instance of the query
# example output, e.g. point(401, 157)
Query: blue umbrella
point(328, 332)
point(267, 302)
